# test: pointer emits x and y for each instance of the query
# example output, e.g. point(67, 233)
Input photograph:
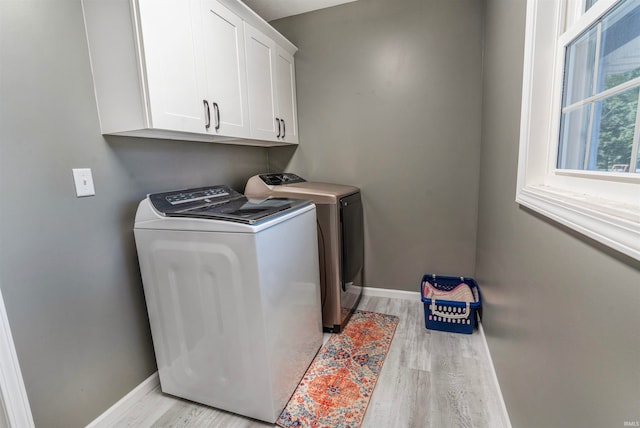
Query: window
point(598, 129)
point(579, 158)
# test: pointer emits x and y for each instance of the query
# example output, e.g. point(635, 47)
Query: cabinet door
point(286, 95)
point(174, 70)
point(222, 45)
point(260, 82)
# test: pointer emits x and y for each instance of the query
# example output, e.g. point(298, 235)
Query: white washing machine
point(233, 295)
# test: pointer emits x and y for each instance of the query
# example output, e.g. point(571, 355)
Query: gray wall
point(561, 312)
point(68, 266)
point(389, 100)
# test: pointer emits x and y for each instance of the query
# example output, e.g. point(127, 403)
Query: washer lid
point(219, 202)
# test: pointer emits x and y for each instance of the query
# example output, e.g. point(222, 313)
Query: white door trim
point(13, 396)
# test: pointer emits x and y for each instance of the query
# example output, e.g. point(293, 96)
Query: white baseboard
point(393, 294)
point(114, 413)
point(505, 413)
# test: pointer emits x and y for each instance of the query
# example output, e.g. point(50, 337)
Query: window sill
point(610, 223)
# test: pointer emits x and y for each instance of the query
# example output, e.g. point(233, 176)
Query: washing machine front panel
point(203, 312)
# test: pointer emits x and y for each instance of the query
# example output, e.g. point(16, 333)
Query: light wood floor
point(430, 379)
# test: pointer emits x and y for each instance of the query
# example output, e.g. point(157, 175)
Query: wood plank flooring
point(430, 379)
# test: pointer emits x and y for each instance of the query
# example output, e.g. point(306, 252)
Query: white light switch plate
point(84, 182)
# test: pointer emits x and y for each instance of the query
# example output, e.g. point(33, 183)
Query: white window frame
point(602, 206)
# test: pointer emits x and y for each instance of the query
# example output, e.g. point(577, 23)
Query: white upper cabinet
point(260, 80)
point(286, 95)
point(222, 40)
point(179, 69)
point(175, 71)
point(271, 83)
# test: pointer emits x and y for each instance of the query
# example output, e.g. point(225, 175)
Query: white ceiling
point(275, 9)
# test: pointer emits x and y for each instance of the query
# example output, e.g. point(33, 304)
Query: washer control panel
point(178, 201)
point(186, 197)
point(281, 178)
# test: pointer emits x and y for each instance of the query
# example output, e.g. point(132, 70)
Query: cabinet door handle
point(217, 110)
point(284, 129)
point(278, 120)
point(207, 114)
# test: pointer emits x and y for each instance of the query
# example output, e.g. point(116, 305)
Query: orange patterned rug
point(336, 389)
